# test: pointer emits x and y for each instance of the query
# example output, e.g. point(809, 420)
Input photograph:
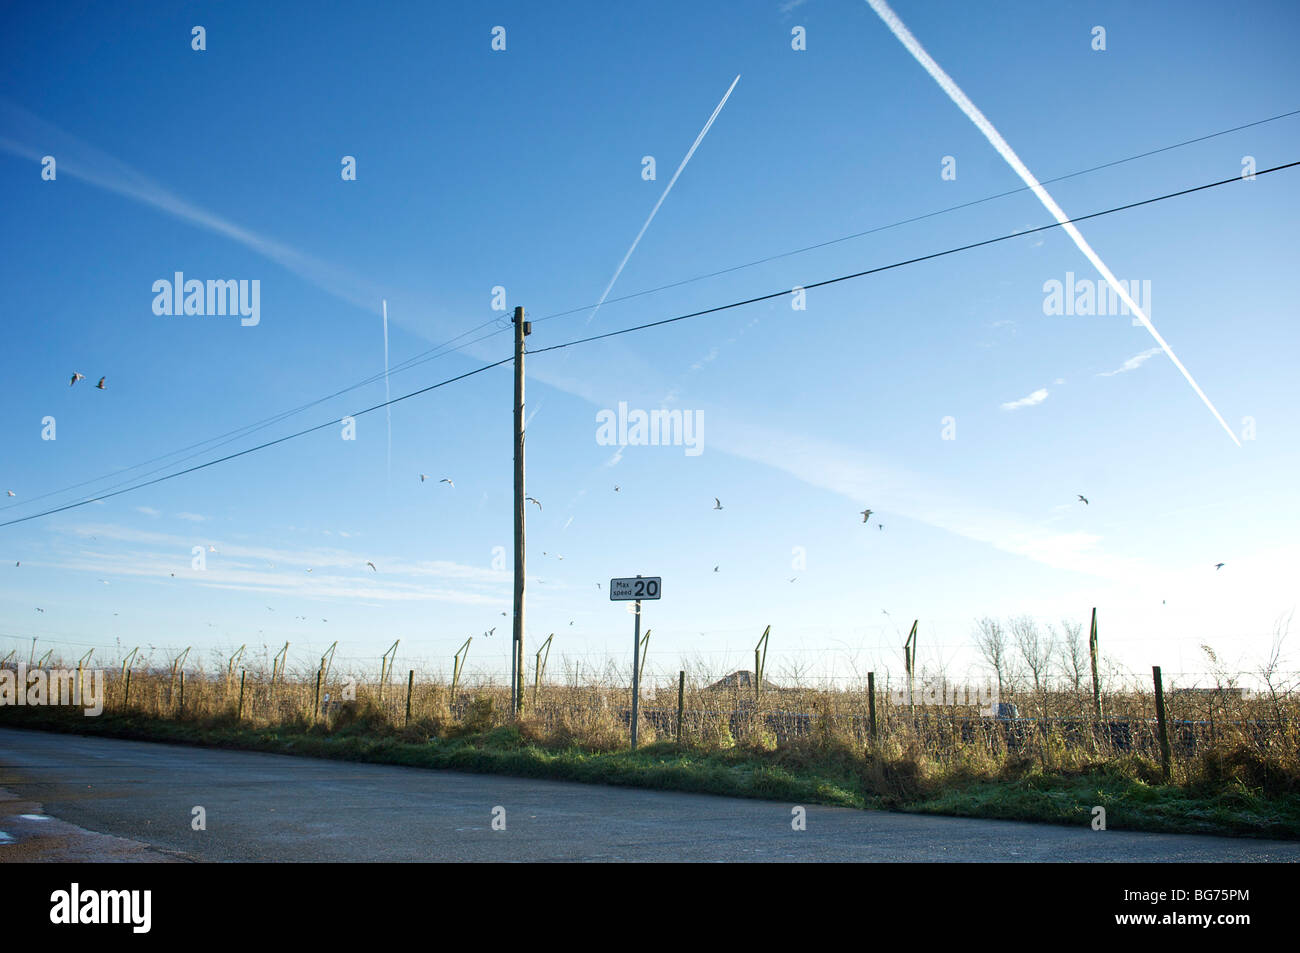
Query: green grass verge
point(797, 774)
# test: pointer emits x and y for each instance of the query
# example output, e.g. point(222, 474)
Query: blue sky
point(522, 168)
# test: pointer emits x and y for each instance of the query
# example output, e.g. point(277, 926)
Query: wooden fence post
point(681, 702)
point(239, 715)
point(315, 711)
point(182, 691)
point(1092, 653)
point(871, 703)
point(410, 685)
point(1161, 722)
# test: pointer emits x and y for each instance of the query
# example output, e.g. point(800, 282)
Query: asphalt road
point(104, 799)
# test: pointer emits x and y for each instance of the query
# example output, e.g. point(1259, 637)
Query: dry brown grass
point(1252, 742)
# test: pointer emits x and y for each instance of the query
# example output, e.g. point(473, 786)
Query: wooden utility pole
point(522, 330)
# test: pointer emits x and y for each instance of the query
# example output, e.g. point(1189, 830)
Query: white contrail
point(995, 139)
point(387, 395)
point(654, 211)
point(671, 182)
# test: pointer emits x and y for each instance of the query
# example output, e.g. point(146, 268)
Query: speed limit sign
point(635, 587)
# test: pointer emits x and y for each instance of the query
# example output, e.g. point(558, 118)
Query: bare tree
point(1035, 648)
point(994, 647)
point(1072, 656)
point(796, 672)
point(1271, 671)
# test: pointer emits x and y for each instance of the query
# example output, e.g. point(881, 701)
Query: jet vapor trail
point(671, 182)
point(946, 83)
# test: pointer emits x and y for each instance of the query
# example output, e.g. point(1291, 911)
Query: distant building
point(741, 681)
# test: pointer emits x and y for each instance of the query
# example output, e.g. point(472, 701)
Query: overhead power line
point(261, 446)
point(915, 218)
point(230, 436)
point(908, 261)
point(220, 440)
point(655, 324)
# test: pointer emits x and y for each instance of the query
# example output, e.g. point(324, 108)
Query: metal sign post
point(635, 589)
point(636, 670)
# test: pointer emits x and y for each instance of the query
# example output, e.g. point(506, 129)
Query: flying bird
point(1219, 565)
point(449, 483)
point(531, 500)
point(1084, 499)
point(211, 548)
point(717, 503)
point(880, 526)
point(11, 492)
point(715, 568)
point(309, 570)
point(423, 477)
point(39, 609)
point(866, 515)
point(570, 622)
point(100, 385)
point(371, 565)
point(75, 378)
point(793, 578)
point(489, 632)
point(615, 487)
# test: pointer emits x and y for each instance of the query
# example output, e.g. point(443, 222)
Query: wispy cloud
point(337, 574)
point(192, 517)
point(91, 165)
point(147, 511)
point(1037, 397)
point(707, 359)
point(1133, 363)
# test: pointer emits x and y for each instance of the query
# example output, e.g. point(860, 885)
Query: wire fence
point(944, 718)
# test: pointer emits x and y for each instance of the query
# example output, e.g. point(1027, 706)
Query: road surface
point(64, 797)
